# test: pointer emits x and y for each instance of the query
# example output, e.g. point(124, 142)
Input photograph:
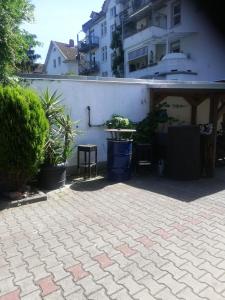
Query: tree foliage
point(14, 42)
point(23, 134)
point(28, 64)
point(118, 53)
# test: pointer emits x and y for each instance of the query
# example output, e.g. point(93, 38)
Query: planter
point(52, 177)
point(119, 160)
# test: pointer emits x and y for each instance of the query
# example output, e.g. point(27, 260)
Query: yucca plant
point(59, 144)
point(61, 135)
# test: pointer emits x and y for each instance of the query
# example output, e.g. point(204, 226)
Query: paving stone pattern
point(149, 238)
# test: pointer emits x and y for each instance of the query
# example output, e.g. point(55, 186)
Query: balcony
point(146, 34)
point(158, 24)
point(171, 63)
point(88, 44)
point(89, 68)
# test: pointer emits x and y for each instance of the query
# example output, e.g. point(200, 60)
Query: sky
point(59, 20)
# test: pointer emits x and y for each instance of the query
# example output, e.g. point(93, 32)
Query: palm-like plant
point(61, 129)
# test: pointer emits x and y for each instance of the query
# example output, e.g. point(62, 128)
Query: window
point(103, 28)
point(112, 29)
point(54, 63)
point(176, 13)
point(138, 53)
point(92, 58)
point(138, 59)
point(175, 47)
point(105, 74)
point(113, 12)
point(59, 61)
point(104, 53)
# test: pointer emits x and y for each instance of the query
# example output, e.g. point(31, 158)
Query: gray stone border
point(37, 197)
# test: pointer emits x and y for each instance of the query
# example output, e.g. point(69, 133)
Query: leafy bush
point(147, 128)
point(23, 133)
point(119, 122)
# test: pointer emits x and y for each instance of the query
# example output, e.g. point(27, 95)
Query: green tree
point(28, 64)
point(14, 43)
point(118, 53)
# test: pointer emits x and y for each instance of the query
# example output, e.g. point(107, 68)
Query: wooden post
point(193, 114)
point(214, 101)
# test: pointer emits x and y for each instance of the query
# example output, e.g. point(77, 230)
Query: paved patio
point(149, 238)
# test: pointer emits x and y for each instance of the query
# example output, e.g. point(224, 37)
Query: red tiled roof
point(69, 52)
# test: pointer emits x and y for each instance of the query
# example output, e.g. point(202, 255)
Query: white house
point(162, 39)
point(61, 59)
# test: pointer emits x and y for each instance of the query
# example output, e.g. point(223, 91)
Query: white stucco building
point(61, 59)
point(162, 39)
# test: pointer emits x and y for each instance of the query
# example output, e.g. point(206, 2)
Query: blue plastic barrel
point(119, 156)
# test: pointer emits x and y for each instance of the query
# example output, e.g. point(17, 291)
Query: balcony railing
point(157, 20)
point(88, 44)
point(89, 68)
point(135, 7)
point(169, 64)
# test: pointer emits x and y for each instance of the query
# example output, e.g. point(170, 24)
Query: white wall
point(105, 99)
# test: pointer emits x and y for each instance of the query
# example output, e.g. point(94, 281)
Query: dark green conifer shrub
point(23, 132)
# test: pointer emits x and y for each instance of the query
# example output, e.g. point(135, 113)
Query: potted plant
point(119, 150)
point(59, 145)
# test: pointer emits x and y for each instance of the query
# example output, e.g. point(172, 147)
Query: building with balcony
point(170, 39)
point(95, 46)
point(162, 39)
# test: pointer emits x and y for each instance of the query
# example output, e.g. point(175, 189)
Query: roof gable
point(68, 52)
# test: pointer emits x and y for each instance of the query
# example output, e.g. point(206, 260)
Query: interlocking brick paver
point(33, 296)
point(26, 286)
point(174, 285)
point(216, 284)
point(97, 272)
point(131, 285)
point(39, 272)
point(79, 295)
point(139, 240)
point(110, 285)
point(146, 241)
point(47, 286)
point(154, 271)
point(78, 272)
point(188, 294)
point(103, 260)
point(68, 285)
point(15, 295)
point(210, 293)
point(117, 272)
point(99, 295)
point(89, 285)
point(121, 295)
point(216, 272)
point(126, 250)
point(152, 285)
point(196, 285)
point(143, 295)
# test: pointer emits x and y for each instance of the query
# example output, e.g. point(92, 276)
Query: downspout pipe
point(89, 119)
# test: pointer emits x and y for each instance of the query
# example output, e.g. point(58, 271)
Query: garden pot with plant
point(23, 134)
point(59, 145)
